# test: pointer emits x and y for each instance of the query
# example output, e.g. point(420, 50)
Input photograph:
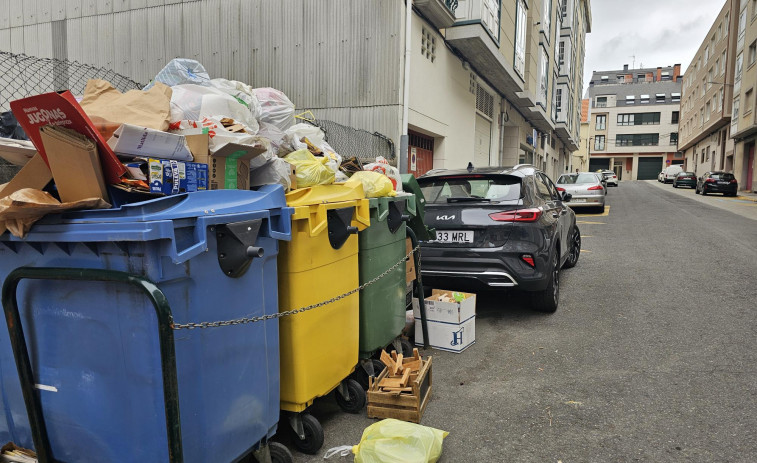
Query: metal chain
point(242, 321)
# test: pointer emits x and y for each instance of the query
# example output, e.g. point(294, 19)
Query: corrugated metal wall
point(340, 58)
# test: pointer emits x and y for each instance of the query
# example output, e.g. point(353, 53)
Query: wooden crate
point(402, 406)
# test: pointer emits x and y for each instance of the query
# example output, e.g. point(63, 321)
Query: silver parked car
point(586, 188)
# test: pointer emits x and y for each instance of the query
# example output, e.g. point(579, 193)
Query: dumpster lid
point(185, 205)
point(320, 194)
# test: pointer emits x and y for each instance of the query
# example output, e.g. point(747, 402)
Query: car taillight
point(733, 181)
point(710, 180)
point(595, 187)
point(614, 176)
point(560, 189)
point(519, 215)
point(528, 258)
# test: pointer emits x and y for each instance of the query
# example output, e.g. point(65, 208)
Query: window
point(601, 102)
point(720, 99)
point(665, 75)
point(720, 31)
point(558, 99)
point(704, 86)
point(644, 99)
point(621, 79)
point(639, 119)
point(641, 77)
point(673, 138)
point(752, 52)
point(601, 122)
point(709, 78)
point(520, 36)
point(543, 77)
point(561, 53)
point(701, 117)
point(638, 139)
point(748, 102)
point(674, 118)
point(717, 66)
point(726, 23)
point(742, 26)
point(722, 60)
point(676, 97)
point(660, 98)
point(428, 45)
point(739, 68)
point(706, 53)
point(630, 99)
point(707, 111)
point(735, 116)
point(546, 17)
point(564, 8)
point(599, 143)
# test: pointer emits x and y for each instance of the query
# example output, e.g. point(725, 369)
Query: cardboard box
point(229, 166)
point(17, 152)
point(451, 325)
point(173, 177)
point(410, 265)
point(74, 164)
point(149, 143)
point(35, 174)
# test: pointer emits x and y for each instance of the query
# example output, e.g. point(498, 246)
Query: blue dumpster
point(96, 353)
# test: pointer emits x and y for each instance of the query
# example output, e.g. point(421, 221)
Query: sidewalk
point(747, 195)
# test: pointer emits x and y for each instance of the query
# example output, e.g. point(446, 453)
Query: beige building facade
point(743, 122)
point(633, 124)
point(706, 104)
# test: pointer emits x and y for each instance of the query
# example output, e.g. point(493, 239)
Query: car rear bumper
point(690, 183)
point(710, 188)
point(484, 268)
point(587, 201)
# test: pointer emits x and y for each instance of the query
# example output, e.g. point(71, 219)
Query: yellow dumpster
point(319, 347)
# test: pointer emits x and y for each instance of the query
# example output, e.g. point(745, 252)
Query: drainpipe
point(406, 88)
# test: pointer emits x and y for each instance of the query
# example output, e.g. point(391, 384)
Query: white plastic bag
point(194, 102)
point(275, 171)
point(293, 137)
point(274, 134)
point(181, 71)
point(277, 109)
point(382, 166)
point(242, 92)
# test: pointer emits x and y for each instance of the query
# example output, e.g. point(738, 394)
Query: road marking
point(604, 214)
point(587, 236)
point(585, 250)
point(590, 223)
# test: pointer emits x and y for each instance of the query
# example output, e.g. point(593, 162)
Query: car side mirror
point(565, 196)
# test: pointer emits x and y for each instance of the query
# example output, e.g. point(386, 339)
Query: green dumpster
point(382, 304)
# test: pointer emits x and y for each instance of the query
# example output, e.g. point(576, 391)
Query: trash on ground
point(402, 390)
point(451, 320)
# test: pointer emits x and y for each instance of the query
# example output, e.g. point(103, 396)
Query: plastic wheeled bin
point(382, 304)
point(99, 295)
point(319, 347)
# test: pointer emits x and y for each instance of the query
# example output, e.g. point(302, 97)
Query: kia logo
point(445, 217)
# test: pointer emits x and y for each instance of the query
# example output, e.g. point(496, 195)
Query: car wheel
point(704, 192)
point(547, 300)
point(575, 248)
point(674, 185)
point(696, 190)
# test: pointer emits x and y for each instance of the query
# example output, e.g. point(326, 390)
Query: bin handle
point(23, 364)
point(383, 209)
point(318, 218)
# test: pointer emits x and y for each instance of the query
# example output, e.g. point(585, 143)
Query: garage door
point(596, 164)
point(483, 142)
point(649, 168)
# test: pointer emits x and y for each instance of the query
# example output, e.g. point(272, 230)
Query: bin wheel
point(313, 440)
point(407, 348)
point(279, 453)
point(361, 376)
point(357, 397)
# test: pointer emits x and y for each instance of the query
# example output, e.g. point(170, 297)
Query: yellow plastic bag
point(309, 169)
point(394, 441)
point(375, 185)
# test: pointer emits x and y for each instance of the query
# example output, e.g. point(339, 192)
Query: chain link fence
point(361, 144)
point(22, 76)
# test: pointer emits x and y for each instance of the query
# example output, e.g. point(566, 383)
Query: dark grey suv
point(499, 227)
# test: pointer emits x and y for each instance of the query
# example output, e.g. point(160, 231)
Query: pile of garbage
point(184, 132)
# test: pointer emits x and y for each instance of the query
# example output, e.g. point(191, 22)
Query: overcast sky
point(658, 32)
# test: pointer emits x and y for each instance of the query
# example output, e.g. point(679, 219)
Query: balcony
point(475, 35)
point(441, 13)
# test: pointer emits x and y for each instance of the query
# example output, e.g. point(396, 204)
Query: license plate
point(722, 183)
point(578, 200)
point(450, 236)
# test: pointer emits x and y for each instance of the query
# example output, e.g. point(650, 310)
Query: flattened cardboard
point(17, 152)
point(149, 143)
point(74, 163)
point(35, 174)
point(229, 167)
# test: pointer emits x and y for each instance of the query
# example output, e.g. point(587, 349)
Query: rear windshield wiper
point(467, 199)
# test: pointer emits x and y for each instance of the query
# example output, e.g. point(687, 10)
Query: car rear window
point(575, 179)
point(686, 174)
point(728, 177)
point(494, 188)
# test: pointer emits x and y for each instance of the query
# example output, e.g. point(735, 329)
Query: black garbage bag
point(9, 127)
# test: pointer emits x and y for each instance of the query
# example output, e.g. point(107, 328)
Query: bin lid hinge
point(339, 225)
point(236, 246)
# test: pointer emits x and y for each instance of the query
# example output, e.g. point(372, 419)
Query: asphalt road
point(651, 356)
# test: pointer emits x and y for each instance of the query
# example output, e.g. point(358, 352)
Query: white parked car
point(610, 177)
point(670, 173)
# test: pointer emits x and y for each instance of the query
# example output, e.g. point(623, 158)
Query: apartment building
point(743, 124)
point(581, 156)
point(633, 127)
point(707, 96)
point(489, 82)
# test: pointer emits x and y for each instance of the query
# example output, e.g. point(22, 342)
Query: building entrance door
point(618, 169)
point(750, 170)
point(420, 153)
